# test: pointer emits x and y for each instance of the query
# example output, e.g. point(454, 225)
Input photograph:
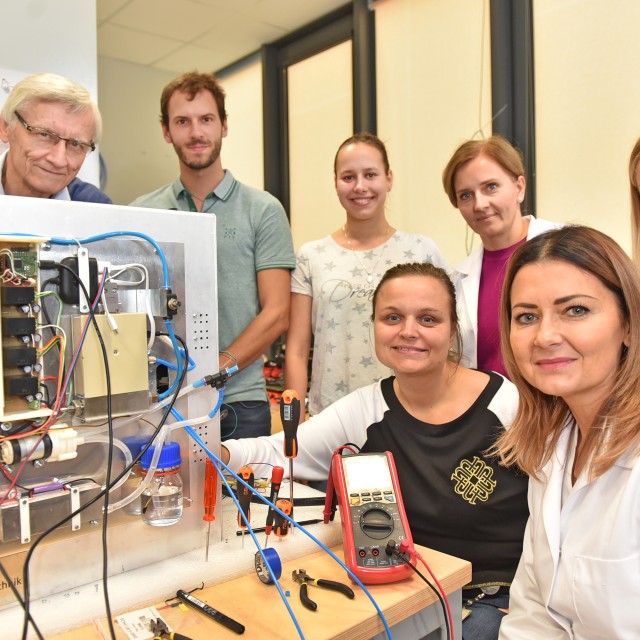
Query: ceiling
point(183, 35)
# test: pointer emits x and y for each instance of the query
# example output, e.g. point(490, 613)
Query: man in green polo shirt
point(254, 245)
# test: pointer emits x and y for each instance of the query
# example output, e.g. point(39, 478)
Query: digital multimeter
point(372, 514)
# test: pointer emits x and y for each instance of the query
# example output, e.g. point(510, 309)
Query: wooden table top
point(260, 608)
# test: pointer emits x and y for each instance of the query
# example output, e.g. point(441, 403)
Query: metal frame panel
point(67, 558)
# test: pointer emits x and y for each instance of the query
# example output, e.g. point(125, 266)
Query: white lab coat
point(579, 575)
point(466, 277)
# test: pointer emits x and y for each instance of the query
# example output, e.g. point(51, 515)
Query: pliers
point(161, 631)
point(304, 579)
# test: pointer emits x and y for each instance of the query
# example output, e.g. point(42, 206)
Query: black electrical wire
point(107, 480)
point(135, 460)
point(18, 597)
point(433, 588)
point(108, 488)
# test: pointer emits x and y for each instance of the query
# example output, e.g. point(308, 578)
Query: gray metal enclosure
point(72, 556)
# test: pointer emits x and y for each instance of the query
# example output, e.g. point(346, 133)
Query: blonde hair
point(540, 418)
point(49, 87)
point(497, 148)
point(635, 202)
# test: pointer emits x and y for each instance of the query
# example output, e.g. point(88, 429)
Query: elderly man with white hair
point(51, 124)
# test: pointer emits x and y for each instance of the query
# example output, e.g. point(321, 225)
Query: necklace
point(196, 197)
point(369, 273)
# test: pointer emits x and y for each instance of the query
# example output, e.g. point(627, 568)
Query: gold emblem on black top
point(474, 480)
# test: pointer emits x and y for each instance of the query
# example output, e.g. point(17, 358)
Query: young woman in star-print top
point(438, 419)
point(335, 277)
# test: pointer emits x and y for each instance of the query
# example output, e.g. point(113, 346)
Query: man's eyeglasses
point(47, 139)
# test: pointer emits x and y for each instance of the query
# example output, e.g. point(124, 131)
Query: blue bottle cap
point(169, 456)
point(135, 444)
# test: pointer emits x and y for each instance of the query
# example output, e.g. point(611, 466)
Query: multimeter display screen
point(366, 472)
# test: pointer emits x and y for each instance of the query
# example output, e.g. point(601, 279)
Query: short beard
point(201, 164)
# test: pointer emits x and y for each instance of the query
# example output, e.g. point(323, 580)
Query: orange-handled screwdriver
point(210, 495)
point(281, 525)
point(244, 496)
point(290, 416)
point(276, 480)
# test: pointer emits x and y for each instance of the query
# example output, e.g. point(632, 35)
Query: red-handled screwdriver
point(210, 491)
point(276, 481)
point(244, 496)
point(290, 416)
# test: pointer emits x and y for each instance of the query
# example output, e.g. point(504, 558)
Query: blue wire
point(355, 578)
point(192, 362)
point(176, 348)
point(218, 404)
point(272, 572)
point(173, 367)
point(116, 234)
point(213, 458)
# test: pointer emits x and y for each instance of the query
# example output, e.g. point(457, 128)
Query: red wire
point(341, 449)
point(444, 595)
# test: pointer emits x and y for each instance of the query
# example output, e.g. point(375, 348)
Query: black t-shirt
point(458, 500)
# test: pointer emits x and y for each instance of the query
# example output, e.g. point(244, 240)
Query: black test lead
point(214, 614)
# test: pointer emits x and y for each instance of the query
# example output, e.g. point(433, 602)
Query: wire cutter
point(304, 580)
point(161, 631)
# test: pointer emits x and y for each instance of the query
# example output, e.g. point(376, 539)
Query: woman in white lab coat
point(485, 180)
point(570, 316)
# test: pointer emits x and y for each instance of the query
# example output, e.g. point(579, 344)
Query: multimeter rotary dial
point(376, 523)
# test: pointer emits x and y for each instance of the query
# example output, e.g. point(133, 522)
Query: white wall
point(434, 92)
point(242, 149)
point(320, 118)
point(137, 158)
point(39, 36)
point(587, 110)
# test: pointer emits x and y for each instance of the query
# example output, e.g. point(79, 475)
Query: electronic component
point(17, 296)
point(61, 444)
point(23, 386)
point(371, 513)
point(18, 326)
point(128, 365)
point(69, 287)
point(18, 356)
point(164, 260)
point(20, 391)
